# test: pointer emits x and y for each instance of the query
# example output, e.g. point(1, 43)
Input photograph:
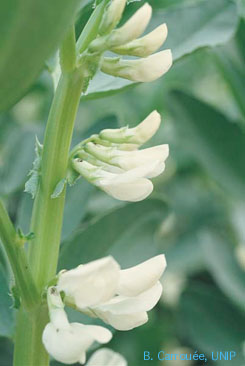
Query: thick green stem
point(18, 261)
point(48, 212)
point(29, 350)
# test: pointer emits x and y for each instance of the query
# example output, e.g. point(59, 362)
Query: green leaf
point(222, 264)
point(59, 188)
point(210, 323)
point(30, 32)
point(77, 198)
point(17, 157)
point(191, 26)
point(234, 76)
point(199, 24)
point(6, 352)
point(31, 185)
point(185, 256)
point(212, 139)
point(99, 236)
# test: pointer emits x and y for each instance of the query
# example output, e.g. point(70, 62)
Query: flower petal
point(112, 16)
point(123, 322)
point(91, 283)
point(144, 276)
point(142, 70)
point(137, 135)
point(106, 357)
point(147, 128)
point(70, 345)
point(133, 159)
point(133, 28)
point(146, 45)
point(99, 334)
point(120, 305)
point(132, 191)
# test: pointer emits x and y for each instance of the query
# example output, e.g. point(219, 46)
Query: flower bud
point(146, 45)
point(137, 135)
point(112, 16)
point(133, 28)
point(142, 70)
point(128, 160)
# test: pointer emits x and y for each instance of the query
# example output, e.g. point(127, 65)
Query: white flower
point(141, 70)
point(137, 135)
point(68, 342)
point(133, 28)
point(112, 15)
point(114, 164)
point(146, 45)
point(99, 280)
point(138, 290)
point(128, 160)
point(131, 185)
point(106, 357)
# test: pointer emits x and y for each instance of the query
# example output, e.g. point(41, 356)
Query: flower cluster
point(124, 41)
point(100, 289)
point(113, 162)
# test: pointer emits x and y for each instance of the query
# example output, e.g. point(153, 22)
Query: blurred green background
point(196, 214)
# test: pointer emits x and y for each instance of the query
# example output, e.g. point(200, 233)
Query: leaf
point(77, 198)
point(6, 352)
point(30, 32)
point(191, 26)
point(59, 188)
point(104, 85)
point(17, 157)
point(185, 256)
point(31, 185)
point(234, 76)
point(139, 242)
point(221, 262)
point(212, 139)
point(98, 237)
point(200, 24)
point(210, 323)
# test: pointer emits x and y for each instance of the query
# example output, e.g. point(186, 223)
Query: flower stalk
point(47, 212)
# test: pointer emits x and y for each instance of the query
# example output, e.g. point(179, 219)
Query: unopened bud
point(112, 16)
point(146, 45)
point(133, 28)
point(137, 135)
point(142, 70)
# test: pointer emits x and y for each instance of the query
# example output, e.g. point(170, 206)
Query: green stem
point(47, 212)
point(18, 261)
